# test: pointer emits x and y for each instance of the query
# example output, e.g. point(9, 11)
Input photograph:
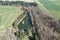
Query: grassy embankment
point(53, 7)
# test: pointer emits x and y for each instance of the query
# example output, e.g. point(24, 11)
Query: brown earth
point(45, 26)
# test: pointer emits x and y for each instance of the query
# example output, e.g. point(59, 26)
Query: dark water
point(27, 23)
point(26, 26)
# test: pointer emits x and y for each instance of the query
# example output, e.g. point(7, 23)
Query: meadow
point(8, 14)
point(53, 7)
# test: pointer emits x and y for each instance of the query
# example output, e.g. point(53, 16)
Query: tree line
point(17, 3)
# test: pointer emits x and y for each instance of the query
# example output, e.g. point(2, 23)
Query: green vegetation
point(17, 3)
point(8, 14)
point(53, 6)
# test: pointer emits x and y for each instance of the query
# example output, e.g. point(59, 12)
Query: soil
point(45, 27)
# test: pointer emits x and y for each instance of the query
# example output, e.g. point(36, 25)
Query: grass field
point(53, 6)
point(8, 14)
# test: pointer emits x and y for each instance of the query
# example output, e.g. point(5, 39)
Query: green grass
point(8, 14)
point(53, 6)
